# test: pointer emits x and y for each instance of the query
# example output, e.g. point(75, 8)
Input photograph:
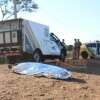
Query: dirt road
point(82, 86)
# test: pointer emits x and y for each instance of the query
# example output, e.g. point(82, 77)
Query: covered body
point(39, 69)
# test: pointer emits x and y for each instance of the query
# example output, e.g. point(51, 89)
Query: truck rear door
point(10, 37)
point(9, 43)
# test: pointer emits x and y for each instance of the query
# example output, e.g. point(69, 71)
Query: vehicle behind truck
point(22, 39)
point(90, 50)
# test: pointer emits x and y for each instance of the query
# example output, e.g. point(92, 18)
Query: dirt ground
point(82, 86)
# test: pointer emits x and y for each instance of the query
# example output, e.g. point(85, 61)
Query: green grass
point(69, 54)
point(3, 60)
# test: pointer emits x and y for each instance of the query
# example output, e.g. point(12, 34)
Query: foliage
point(7, 7)
point(70, 47)
point(3, 60)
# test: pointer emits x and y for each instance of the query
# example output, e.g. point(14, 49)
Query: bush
point(3, 60)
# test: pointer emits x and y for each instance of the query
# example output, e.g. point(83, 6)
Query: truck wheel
point(91, 57)
point(37, 56)
point(11, 60)
point(84, 54)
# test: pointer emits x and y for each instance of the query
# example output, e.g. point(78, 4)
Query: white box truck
point(20, 38)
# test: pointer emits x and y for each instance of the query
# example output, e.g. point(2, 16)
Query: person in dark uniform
point(64, 50)
point(75, 49)
point(78, 48)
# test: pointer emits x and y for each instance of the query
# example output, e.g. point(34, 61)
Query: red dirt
point(82, 86)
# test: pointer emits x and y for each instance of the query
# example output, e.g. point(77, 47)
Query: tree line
point(10, 8)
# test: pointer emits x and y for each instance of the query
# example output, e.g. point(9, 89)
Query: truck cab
point(61, 45)
point(90, 50)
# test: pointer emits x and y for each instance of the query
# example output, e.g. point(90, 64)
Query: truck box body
point(39, 37)
point(19, 36)
point(10, 37)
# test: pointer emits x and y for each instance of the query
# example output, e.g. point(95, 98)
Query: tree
point(70, 47)
point(13, 7)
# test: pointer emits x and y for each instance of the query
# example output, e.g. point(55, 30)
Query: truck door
point(1, 38)
point(14, 37)
point(98, 48)
point(53, 48)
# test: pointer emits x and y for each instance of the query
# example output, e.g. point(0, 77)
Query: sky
point(69, 19)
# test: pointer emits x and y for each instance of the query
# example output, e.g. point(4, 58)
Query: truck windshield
point(53, 37)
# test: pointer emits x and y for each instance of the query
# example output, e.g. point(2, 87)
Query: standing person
point(63, 42)
point(64, 50)
point(78, 48)
point(75, 49)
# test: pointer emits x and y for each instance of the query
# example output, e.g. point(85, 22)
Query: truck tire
point(91, 57)
point(11, 60)
point(84, 54)
point(37, 56)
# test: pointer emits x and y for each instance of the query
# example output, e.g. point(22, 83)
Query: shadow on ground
point(76, 80)
point(90, 68)
point(71, 79)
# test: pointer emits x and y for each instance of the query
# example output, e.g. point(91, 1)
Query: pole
point(15, 9)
